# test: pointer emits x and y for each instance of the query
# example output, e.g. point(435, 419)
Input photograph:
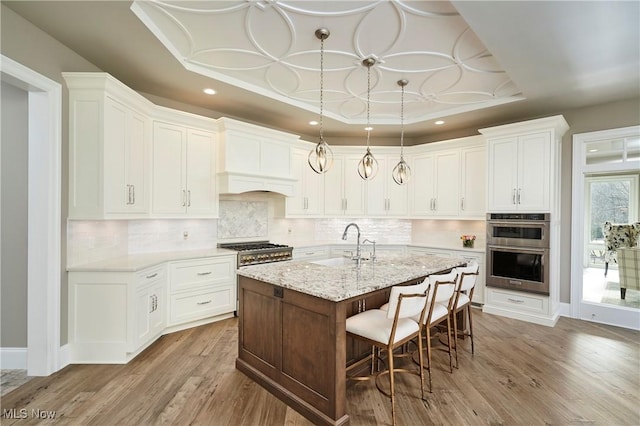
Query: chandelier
point(321, 157)
point(401, 172)
point(368, 166)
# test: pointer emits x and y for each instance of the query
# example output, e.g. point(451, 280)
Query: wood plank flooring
point(577, 372)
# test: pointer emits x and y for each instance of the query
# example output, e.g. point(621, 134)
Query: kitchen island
point(291, 329)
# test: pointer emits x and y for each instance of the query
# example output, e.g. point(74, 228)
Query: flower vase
point(467, 243)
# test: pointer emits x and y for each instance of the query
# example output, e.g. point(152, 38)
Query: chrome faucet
point(373, 255)
point(344, 237)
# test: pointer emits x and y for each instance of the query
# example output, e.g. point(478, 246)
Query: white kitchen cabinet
point(344, 193)
point(254, 158)
point(311, 253)
point(308, 198)
point(113, 316)
point(150, 306)
point(109, 142)
point(473, 182)
point(435, 184)
point(523, 161)
point(469, 256)
point(384, 196)
point(201, 288)
point(184, 180)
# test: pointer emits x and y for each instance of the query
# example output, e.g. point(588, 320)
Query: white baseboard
point(564, 309)
point(13, 358)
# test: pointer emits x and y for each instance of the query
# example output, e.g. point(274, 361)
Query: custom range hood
point(254, 158)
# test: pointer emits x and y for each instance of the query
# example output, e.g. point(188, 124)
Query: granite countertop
point(337, 282)
point(137, 262)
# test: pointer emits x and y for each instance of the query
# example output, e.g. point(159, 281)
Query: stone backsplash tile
point(383, 231)
point(243, 219)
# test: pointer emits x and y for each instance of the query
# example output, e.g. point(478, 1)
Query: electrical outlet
point(185, 235)
point(289, 231)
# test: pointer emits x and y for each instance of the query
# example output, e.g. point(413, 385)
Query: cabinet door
point(534, 157)
point(126, 136)
point(136, 162)
point(309, 195)
point(354, 188)
point(397, 195)
point(422, 185)
point(200, 171)
point(169, 175)
point(503, 174)
point(333, 194)
point(473, 169)
point(446, 183)
point(377, 191)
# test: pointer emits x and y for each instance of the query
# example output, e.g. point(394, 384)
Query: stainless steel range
point(256, 252)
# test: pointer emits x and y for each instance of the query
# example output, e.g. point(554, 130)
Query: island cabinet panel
point(293, 344)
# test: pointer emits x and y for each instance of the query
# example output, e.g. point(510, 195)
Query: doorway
point(44, 215)
point(605, 185)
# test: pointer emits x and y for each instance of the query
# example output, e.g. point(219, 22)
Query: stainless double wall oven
point(518, 251)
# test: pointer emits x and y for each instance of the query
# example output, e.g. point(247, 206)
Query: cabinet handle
point(129, 194)
point(518, 195)
point(204, 303)
point(310, 253)
point(133, 194)
point(462, 203)
point(306, 203)
point(155, 274)
point(184, 198)
point(435, 204)
point(513, 196)
point(515, 300)
point(189, 198)
point(204, 273)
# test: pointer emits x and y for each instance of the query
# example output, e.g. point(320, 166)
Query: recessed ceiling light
point(439, 122)
point(593, 150)
point(313, 123)
point(368, 128)
point(209, 91)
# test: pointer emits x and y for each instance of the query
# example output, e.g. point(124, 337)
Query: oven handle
point(541, 224)
point(536, 250)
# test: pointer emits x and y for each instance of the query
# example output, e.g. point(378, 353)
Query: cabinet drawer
point(311, 253)
point(202, 304)
point(524, 302)
point(151, 275)
point(193, 274)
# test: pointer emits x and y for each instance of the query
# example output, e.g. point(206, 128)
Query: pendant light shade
point(368, 166)
point(401, 172)
point(321, 157)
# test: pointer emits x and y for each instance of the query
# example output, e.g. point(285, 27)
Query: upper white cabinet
point(254, 158)
point(184, 180)
point(109, 140)
point(344, 193)
point(524, 165)
point(473, 182)
point(384, 196)
point(448, 179)
point(308, 198)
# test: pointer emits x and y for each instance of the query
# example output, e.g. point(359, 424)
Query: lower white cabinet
point(311, 253)
point(520, 305)
point(113, 316)
point(201, 288)
point(470, 256)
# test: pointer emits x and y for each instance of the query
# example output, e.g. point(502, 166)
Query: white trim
point(44, 216)
point(596, 312)
point(13, 358)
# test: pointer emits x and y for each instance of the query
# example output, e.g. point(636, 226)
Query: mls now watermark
point(23, 413)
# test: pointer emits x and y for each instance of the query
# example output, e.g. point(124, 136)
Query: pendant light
point(401, 172)
point(321, 157)
point(368, 166)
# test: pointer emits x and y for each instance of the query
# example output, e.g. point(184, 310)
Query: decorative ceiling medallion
point(268, 47)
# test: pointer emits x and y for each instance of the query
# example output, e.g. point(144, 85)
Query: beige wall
point(33, 48)
point(13, 284)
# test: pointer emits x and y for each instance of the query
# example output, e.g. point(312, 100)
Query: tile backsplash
point(243, 219)
point(246, 217)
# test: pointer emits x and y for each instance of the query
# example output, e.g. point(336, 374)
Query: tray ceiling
point(270, 48)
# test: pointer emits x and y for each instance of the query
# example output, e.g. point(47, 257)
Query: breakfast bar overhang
point(291, 328)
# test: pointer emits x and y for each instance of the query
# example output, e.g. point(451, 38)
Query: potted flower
point(467, 240)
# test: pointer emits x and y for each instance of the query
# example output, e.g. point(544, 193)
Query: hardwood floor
point(521, 373)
